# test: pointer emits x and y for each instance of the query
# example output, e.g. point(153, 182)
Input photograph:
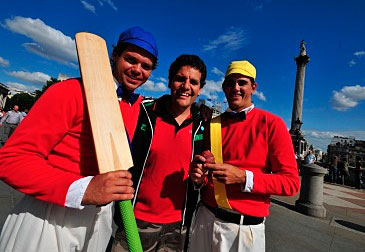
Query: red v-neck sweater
point(53, 146)
point(260, 144)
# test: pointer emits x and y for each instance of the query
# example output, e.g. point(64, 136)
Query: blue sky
point(37, 42)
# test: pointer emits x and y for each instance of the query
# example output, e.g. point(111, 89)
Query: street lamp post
point(298, 138)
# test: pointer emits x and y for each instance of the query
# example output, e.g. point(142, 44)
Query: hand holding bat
point(108, 187)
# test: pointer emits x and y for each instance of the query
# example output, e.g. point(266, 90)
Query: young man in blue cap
point(52, 160)
point(254, 159)
point(133, 60)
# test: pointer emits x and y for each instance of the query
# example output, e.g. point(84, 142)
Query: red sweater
point(162, 191)
point(52, 147)
point(260, 144)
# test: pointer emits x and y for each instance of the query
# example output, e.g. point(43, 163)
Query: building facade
point(346, 147)
point(4, 90)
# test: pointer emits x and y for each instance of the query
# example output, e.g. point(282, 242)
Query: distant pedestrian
point(346, 168)
point(2, 113)
point(310, 158)
point(343, 170)
point(333, 169)
point(25, 112)
point(10, 121)
point(359, 184)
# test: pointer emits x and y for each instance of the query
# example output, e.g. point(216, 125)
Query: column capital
point(302, 59)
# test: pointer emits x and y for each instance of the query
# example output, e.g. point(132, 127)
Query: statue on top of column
point(302, 48)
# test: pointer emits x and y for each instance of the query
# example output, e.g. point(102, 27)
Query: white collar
point(247, 110)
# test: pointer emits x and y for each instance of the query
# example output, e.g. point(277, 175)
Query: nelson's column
point(299, 142)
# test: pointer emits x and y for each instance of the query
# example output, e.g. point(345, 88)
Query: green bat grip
point(130, 226)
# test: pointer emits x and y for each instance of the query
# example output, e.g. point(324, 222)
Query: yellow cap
point(241, 67)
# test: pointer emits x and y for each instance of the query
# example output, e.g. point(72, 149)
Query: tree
point(23, 100)
point(45, 87)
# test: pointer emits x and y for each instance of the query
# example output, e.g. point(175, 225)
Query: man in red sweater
point(254, 158)
point(169, 132)
point(51, 158)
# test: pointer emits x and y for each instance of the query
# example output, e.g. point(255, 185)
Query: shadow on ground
point(351, 225)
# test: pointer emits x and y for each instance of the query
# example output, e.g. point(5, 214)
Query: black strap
point(234, 217)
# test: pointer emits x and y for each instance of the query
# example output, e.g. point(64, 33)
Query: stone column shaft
point(301, 61)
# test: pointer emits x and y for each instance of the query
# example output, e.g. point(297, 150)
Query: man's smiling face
point(238, 89)
point(185, 86)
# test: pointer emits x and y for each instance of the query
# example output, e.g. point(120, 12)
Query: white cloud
point(20, 86)
point(218, 72)
point(92, 8)
point(257, 5)
point(62, 77)
point(47, 41)
point(35, 77)
point(356, 92)
point(211, 89)
point(162, 79)
point(321, 139)
point(111, 4)
point(348, 97)
point(4, 62)
point(359, 54)
point(260, 95)
point(352, 63)
point(321, 134)
point(88, 6)
point(155, 87)
point(233, 39)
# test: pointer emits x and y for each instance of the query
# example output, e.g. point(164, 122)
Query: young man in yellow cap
point(256, 160)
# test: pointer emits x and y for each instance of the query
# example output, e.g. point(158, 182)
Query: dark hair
point(120, 48)
point(188, 60)
point(250, 78)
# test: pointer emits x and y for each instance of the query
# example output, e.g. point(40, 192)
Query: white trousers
point(212, 234)
point(38, 226)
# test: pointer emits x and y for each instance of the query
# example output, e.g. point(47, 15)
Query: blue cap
point(137, 36)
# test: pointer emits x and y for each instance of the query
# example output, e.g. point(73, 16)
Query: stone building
point(4, 90)
point(217, 110)
point(346, 147)
point(318, 154)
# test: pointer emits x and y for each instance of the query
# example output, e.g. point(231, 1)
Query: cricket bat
point(109, 134)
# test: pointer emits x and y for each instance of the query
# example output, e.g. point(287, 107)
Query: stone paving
point(349, 200)
point(8, 199)
point(342, 230)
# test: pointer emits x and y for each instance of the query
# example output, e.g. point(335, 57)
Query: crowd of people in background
point(9, 121)
point(338, 171)
point(338, 168)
